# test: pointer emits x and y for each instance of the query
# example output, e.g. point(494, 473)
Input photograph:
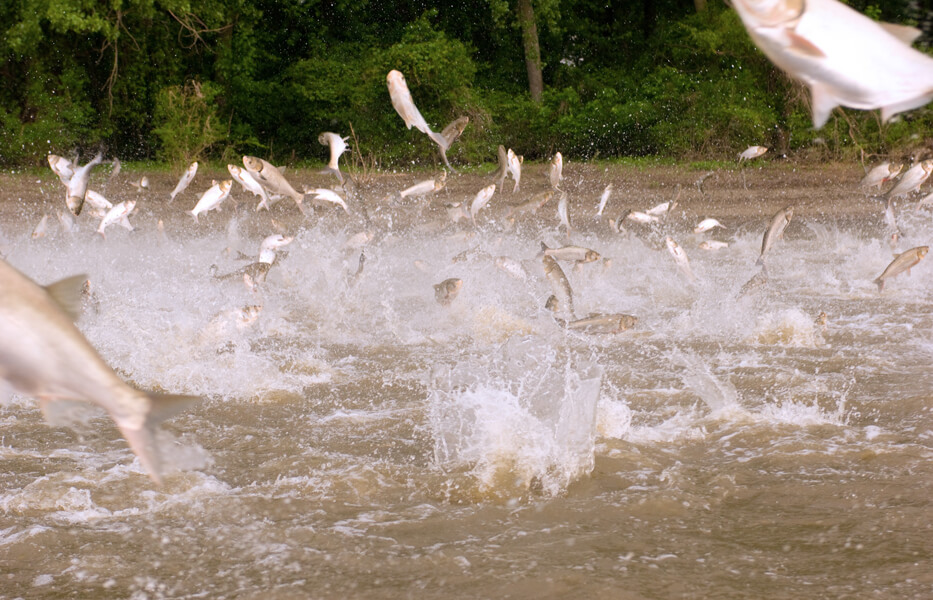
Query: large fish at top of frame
point(844, 57)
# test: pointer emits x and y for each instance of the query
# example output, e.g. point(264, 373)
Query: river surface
point(359, 439)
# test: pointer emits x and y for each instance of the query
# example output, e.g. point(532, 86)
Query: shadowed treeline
point(177, 80)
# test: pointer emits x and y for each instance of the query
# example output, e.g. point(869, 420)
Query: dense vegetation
point(179, 79)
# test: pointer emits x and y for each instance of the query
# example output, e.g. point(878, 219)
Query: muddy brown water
point(360, 440)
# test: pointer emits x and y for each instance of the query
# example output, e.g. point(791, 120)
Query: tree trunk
point(526, 20)
point(700, 5)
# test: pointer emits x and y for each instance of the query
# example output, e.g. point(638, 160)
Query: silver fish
point(560, 285)
point(886, 171)
point(563, 212)
point(117, 214)
point(249, 184)
point(272, 179)
point(326, 195)
point(571, 253)
point(912, 179)
point(211, 199)
point(844, 57)
point(603, 324)
point(185, 179)
point(903, 262)
point(272, 243)
point(481, 200)
point(752, 152)
point(503, 170)
point(77, 185)
point(515, 168)
point(713, 245)
point(603, 199)
point(680, 257)
point(61, 167)
point(53, 361)
point(405, 107)
point(556, 171)
point(338, 145)
point(707, 224)
point(531, 205)
point(775, 231)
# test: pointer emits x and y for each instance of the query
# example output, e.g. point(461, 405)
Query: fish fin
point(903, 33)
point(195, 215)
point(822, 103)
point(916, 102)
point(880, 283)
point(67, 294)
point(281, 169)
point(761, 261)
point(802, 45)
point(142, 439)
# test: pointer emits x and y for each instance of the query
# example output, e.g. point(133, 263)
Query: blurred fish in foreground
point(54, 362)
point(844, 57)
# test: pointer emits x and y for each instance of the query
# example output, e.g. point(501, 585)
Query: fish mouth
point(771, 13)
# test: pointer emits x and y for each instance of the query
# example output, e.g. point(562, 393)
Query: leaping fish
point(62, 167)
point(77, 185)
point(272, 179)
point(405, 107)
point(451, 134)
point(211, 199)
point(603, 199)
point(556, 171)
point(886, 171)
point(515, 168)
point(249, 184)
point(680, 257)
point(844, 57)
point(903, 262)
point(560, 286)
point(337, 145)
point(775, 231)
point(481, 200)
point(912, 179)
point(185, 179)
point(326, 195)
point(118, 214)
point(53, 361)
point(752, 152)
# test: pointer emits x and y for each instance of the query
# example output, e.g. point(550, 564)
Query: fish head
point(789, 213)
point(552, 304)
point(927, 165)
point(591, 255)
point(129, 205)
point(324, 138)
point(144, 182)
point(225, 185)
point(894, 169)
point(193, 168)
point(276, 241)
point(395, 81)
point(769, 13)
point(670, 243)
point(252, 163)
point(922, 251)
point(627, 322)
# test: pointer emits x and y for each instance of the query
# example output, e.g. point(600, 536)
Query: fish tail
point(141, 439)
point(195, 215)
point(761, 261)
point(880, 283)
point(439, 140)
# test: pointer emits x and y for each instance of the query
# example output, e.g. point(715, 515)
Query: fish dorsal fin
point(802, 45)
point(904, 33)
point(281, 170)
point(823, 102)
point(67, 294)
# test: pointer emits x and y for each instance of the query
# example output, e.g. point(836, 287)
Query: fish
point(713, 245)
point(100, 204)
point(603, 199)
point(185, 179)
point(912, 179)
point(752, 152)
point(563, 212)
point(115, 167)
point(405, 107)
point(423, 188)
point(638, 217)
point(142, 184)
point(560, 285)
point(928, 199)
point(680, 257)
point(775, 231)
point(447, 290)
point(843, 56)
point(503, 170)
point(338, 145)
point(272, 243)
point(53, 361)
point(532, 205)
point(515, 168)
point(77, 185)
point(659, 209)
point(706, 225)
point(249, 184)
point(211, 199)
point(451, 134)
point(603, 323)
point(62, 167)
point(880, 174)
point(903, 262)
point(118, 214)
point(556, 171)
point(272, 179)
point(481, 200)
point(326, 195)
point(758, 280)
point(252, 275)
point(42, 228)
point(571, 253)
